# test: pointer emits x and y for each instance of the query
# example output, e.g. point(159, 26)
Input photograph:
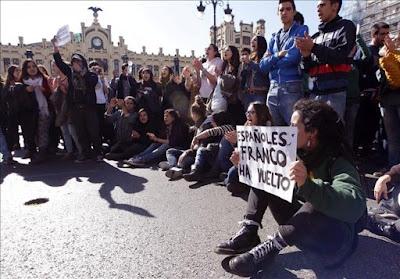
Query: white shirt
point(210, 66)
point(100, 96)
point(218, 101)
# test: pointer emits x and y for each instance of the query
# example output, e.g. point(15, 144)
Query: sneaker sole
point(173, 174)
point(224, 251)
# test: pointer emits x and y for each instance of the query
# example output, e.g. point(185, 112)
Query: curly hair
point(319, 116)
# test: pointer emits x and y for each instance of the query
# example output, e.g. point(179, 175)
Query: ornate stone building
point(227, 35)
point(95, 43)
point(368, 12)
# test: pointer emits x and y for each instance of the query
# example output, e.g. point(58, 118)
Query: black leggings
point(86, 124)
point(28, 121)
point(11, 131)
point(300, 225)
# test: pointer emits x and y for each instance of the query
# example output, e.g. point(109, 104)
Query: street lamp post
point(228, 13)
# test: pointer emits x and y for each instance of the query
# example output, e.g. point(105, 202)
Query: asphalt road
point(105, 222)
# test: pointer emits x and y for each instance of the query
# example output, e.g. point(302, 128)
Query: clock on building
point(97, 43)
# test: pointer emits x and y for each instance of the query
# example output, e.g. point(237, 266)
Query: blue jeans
point(224, 153)
point(205, 156)
point(156, 151)
point(70, 137)
point(281, 99)
point(233, 176)
point(336, 100)
point(173, 155)
point(3, 146)
point(391, 119)
point(247, 99)
point(350, 122)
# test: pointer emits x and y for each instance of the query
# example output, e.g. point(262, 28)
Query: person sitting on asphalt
point(123, 121)
point(257, 115)
point(328, 183)
point(208, 141)
point(179, 161)
point(385, 219)
point(177, 136)
point(140, 140)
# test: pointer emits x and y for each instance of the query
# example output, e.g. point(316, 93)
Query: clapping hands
point(305, 44)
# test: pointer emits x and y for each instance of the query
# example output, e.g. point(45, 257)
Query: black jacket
point(178, 135)
point(148, 97)
point(89, 77)
point(175, 96)
point(120, 88)
point(329, 63)
point(143, 129)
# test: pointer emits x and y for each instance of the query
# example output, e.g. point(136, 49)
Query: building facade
point(94, 42)
point(227, 35)
point(369, 12)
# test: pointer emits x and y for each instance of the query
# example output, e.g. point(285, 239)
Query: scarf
point(37, 83)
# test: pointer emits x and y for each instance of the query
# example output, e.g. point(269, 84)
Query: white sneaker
point(174, 173)
point(164, 165)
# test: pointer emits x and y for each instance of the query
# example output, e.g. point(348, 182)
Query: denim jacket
point(286, 68)
point(253, 78)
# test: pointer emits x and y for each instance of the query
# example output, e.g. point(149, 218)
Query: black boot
point(237, 188)
point(194, 175)
point(384, 226)
point(40, 157)
point(245, 239)
point(249, 263)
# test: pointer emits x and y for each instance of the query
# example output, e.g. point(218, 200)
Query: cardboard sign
point(265, 157)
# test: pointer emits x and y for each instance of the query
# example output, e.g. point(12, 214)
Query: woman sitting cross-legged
point(326, 181)
point(177, 136)
point(257, 115)
point(207, 145)
point(179, 160)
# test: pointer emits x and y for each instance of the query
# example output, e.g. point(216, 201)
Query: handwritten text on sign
point(265, 157)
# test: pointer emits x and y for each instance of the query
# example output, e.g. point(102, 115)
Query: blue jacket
point(286, 68)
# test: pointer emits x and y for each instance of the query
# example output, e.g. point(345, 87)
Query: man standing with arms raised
point(326, 55)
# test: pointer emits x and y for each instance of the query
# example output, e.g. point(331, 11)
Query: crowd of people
point(342, 95)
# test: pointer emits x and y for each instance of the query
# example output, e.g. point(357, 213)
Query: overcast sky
point(154, 24)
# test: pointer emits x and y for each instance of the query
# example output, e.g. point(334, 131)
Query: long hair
point(234, 62)
point(199, 107)
point(264, 117)
point(261, 49)
point(174, 114)
point(43, 70)
point(319, 116)
point(217, 54)
point(25, 74)
point(10, 75)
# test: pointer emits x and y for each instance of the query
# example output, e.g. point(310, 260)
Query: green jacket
point(334, 189)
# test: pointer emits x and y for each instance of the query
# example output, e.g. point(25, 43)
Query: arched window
point(116, 65)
